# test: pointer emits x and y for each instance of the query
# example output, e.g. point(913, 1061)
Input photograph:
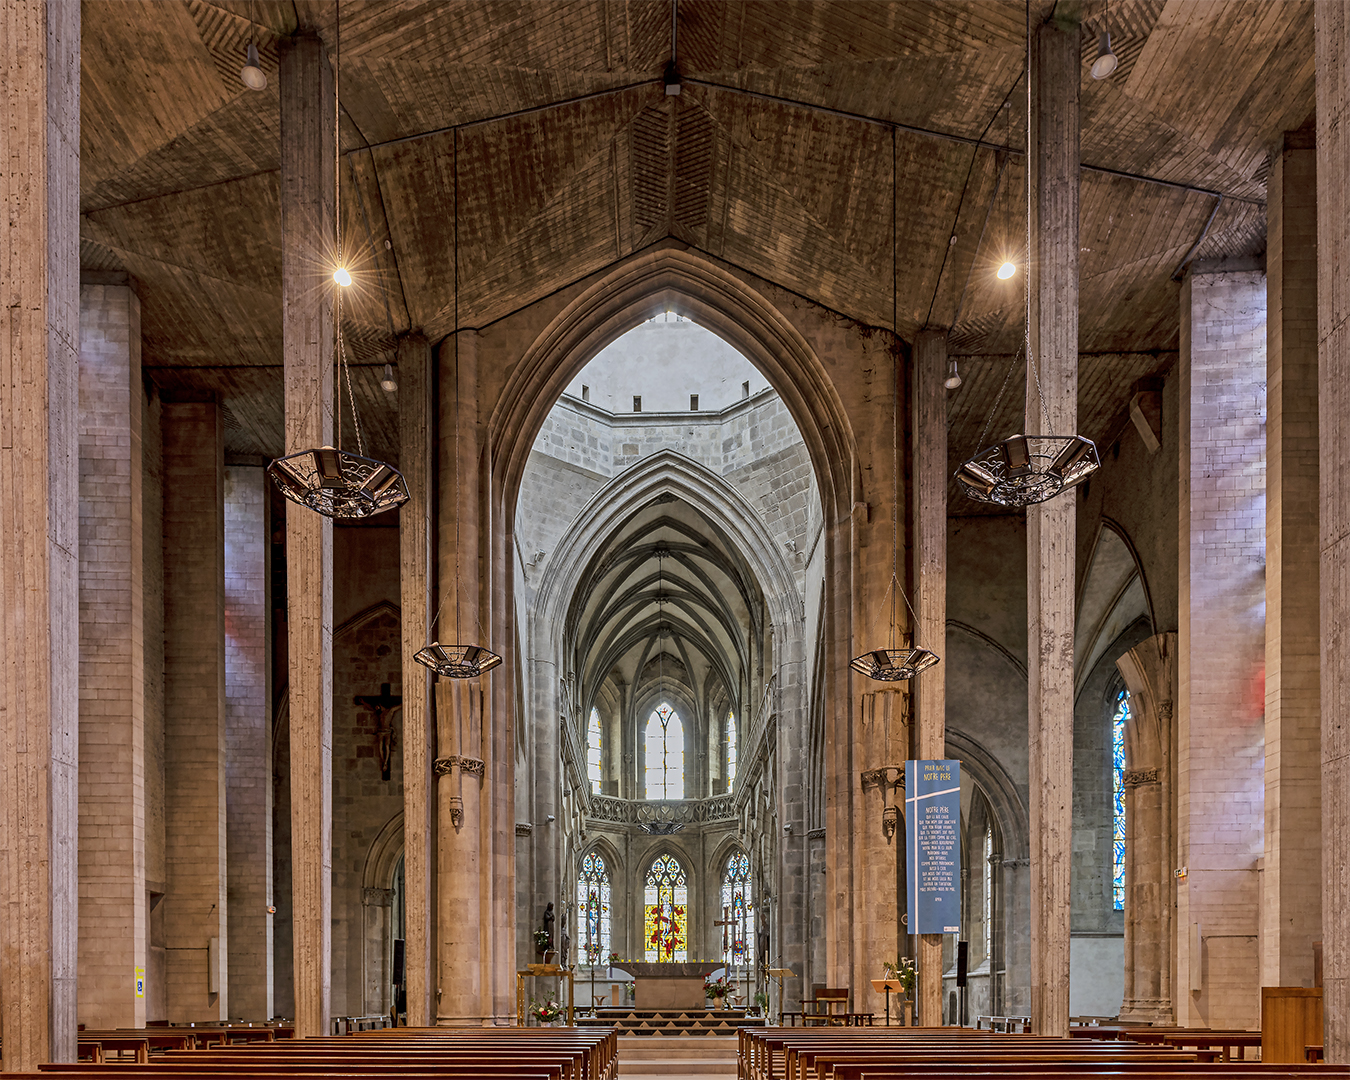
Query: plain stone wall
point(194, 708)
point(663, 361)
point(113, 911)
point(248, 735)
point(1221, 645)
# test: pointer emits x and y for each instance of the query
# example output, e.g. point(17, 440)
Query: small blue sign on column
point(933, 846)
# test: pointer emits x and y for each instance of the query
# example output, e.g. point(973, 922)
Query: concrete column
point(113, 911)
point(1220, 647)
point(39, 515)
point(463, 942)
point(194, 710)
point(929, 455)
point(1053, 159)
point(1291, 902)
point(1150, 673)
point(307, 233)
point(417, 449)
point(248, 738)
point(1332, 35)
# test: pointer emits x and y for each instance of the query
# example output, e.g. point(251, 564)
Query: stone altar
point(669, 985)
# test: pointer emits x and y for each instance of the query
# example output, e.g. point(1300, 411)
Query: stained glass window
point(666, 919)
point(738, 912)
point(665, 754)
point(593, 904)
point(1118, 721)
point(731, 750)
point(594, 747)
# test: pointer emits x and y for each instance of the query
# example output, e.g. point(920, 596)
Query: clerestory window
point(664, 754)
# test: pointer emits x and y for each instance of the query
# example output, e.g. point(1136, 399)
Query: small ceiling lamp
point(1007, 270)
point(1026, 469)
point(953, 379)
point(458, 661)
point(902, 658)
point(342, 277)
point(329, 480)
point(1106, 62)
point(387, 382)
point(253, 75)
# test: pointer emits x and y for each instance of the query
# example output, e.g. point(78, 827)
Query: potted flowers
point(547, 1011)
point(717, 990)
point(543, 944)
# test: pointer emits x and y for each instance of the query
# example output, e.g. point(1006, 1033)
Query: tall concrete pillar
point(195, 925)
point(929, 455)
point(1332, 35)
point(1053, 160)
point(1220, 647)
point(1150, 674)
point(39, 515)
point(113, 908)
point(416, 454)
point(307, 234)
point(248, 735)
point(464, 940)
point(1291, 901)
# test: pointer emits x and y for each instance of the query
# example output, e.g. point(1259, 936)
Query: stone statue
point(566, 947)
point(548, 923)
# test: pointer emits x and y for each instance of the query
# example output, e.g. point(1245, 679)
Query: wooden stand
point(538, 971)
point(887, 985)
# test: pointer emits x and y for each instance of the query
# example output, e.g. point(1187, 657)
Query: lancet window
point(731, 750)
point(738, 911)
point(664, 754)
point(593, 902)
point(594, 750)
point(666, 911)
point(1119, 719)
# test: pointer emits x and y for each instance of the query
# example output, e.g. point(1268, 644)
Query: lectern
point(780, 974)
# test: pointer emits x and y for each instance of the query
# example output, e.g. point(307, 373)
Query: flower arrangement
point(717, 988)
point(903, 971)
point(541, 939)
point(545, 1011)
point(613, 959)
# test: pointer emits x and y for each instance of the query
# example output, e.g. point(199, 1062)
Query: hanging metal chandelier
point(328, 480)
point(901, 659)
point(1025, 469)
point(456, 661)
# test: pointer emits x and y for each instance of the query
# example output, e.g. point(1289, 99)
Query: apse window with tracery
point(593, 904)
point(1119, 718)
point(731, 750)
point(594, 750)
point(666, 911)
point(665, 754)
point(738, 912)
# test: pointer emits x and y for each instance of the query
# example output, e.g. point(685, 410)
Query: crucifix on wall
point(383, 707)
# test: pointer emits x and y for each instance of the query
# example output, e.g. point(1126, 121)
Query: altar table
point(669, 986)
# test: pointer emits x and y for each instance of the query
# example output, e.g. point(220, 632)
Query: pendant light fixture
point(329, 480)
point(457, 661)
point(1026, 469)
point(902, 658)
point(252, 74)
point(1106, 63)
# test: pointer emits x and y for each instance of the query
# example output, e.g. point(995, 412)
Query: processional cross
point(383, 707)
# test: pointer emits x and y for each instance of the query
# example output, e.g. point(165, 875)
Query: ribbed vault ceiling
point(667, 601)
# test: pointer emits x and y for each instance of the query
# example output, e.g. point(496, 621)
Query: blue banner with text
point(933, 846)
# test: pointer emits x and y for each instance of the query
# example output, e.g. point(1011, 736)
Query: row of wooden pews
point(413, 1053)
point(141, 1044)
point(933, 1053)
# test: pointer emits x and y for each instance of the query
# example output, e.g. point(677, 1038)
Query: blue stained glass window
point(738, 912)
point(593, 906)
point(1118, 720)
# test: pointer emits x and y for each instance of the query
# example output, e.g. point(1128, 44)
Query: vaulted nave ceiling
point(668, 601)
point(548, 124)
